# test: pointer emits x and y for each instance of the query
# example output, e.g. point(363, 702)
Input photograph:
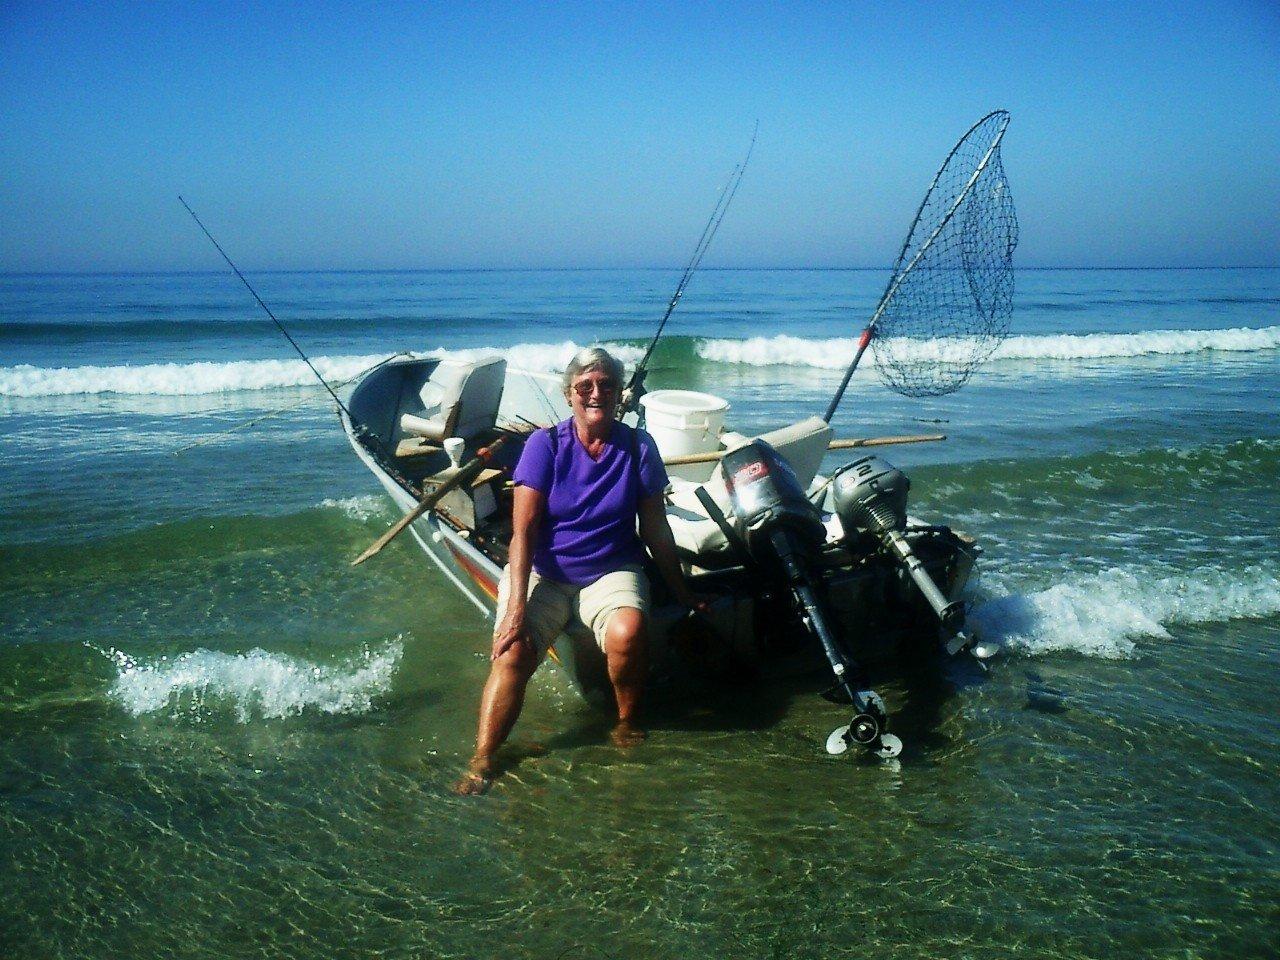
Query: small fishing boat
point(801, 566)
point(798, 562)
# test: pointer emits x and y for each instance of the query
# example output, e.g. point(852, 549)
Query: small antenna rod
point(279, 325)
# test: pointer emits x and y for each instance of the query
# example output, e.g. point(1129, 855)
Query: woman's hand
point(526, 512)
point(510, 632)
point(655, 531)
point(695, 602)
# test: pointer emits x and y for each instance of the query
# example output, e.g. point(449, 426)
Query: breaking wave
point(193, 379)
point(176, 379)
point(1102, 615)
point(836, 353)
point(257, 684)
point(199, 378)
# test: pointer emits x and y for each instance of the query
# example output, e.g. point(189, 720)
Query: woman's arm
point(656, 534)
point(526, 515)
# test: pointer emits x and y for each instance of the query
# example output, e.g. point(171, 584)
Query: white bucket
point(683, 422)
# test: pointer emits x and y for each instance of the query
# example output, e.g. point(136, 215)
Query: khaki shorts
point(553, 606)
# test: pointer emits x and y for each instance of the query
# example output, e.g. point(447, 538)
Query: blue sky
point(387, 136)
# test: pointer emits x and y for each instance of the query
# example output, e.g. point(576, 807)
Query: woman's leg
point(500, 706)
point(615, 608)
point(547, 611)
point(626, 654)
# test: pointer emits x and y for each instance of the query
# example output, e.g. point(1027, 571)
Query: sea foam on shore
point(1105, 614)
point(258, 683)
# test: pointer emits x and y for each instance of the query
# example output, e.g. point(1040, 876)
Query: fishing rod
point(636, 385)
point(279, 325)
point(376, 448)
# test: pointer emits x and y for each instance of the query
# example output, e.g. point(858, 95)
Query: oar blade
point(465, 475)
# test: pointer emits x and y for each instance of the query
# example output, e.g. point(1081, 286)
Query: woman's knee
point(625, 632)
point(519, 659)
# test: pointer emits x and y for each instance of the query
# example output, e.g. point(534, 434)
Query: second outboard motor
point(871, 494)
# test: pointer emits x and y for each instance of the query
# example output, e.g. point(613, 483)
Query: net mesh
point(951, 294)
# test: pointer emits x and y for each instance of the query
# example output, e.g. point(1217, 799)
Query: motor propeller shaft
point(781, 532)
point(871, 494)
point(869, 725)
point(950, 612)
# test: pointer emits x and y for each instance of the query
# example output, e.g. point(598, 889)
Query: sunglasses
point(584, 388)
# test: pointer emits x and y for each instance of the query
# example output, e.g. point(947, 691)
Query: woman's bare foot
point(477, 780)
point(626, 734)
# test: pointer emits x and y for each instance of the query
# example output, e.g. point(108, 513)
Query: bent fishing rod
point(279, 326)
point(635, 386)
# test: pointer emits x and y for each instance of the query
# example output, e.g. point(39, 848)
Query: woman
point(574, 554)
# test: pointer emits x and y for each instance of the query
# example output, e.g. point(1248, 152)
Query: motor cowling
point(766, 495)
point(870, 497)
point(871, 494)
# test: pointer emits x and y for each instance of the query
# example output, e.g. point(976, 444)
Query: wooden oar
point(885, 441)
point(714, 455)
point(464, 475)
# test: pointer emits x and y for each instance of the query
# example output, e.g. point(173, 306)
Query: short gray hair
point(591, 358)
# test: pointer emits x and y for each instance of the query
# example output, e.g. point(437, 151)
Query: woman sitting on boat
point(574, 555)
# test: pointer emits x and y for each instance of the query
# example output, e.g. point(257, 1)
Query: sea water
point(221, 740)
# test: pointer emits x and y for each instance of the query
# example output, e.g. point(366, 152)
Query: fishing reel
point(870, 495)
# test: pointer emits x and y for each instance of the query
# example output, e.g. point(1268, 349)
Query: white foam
point(1150, 343)
point(1102, 614)
point(782, 350)
point(193, 379)
point(836, 353)
point(359, 508)
point(176, 379)
point(553, 357)
point(253, 684)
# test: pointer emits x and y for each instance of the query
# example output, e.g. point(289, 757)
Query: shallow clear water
point(219, 739)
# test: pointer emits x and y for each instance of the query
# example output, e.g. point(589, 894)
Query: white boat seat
point(802, 445)
point(459, 400)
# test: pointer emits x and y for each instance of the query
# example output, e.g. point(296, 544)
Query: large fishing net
point(948, 303)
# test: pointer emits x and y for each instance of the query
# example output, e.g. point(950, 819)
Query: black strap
point(635, 463)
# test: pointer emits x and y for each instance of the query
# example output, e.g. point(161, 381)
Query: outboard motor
point(871, 494)
point(767, 500)
point(780, 530)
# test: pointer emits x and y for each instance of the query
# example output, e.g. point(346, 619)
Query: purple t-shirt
point(589, 527)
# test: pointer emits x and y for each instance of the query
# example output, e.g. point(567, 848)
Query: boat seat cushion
point(434, 428)
point(696, 534)
point(459, 400)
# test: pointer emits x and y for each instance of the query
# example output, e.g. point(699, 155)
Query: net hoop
point(948, 301)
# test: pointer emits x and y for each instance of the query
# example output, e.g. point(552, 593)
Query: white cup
point(454, 447)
